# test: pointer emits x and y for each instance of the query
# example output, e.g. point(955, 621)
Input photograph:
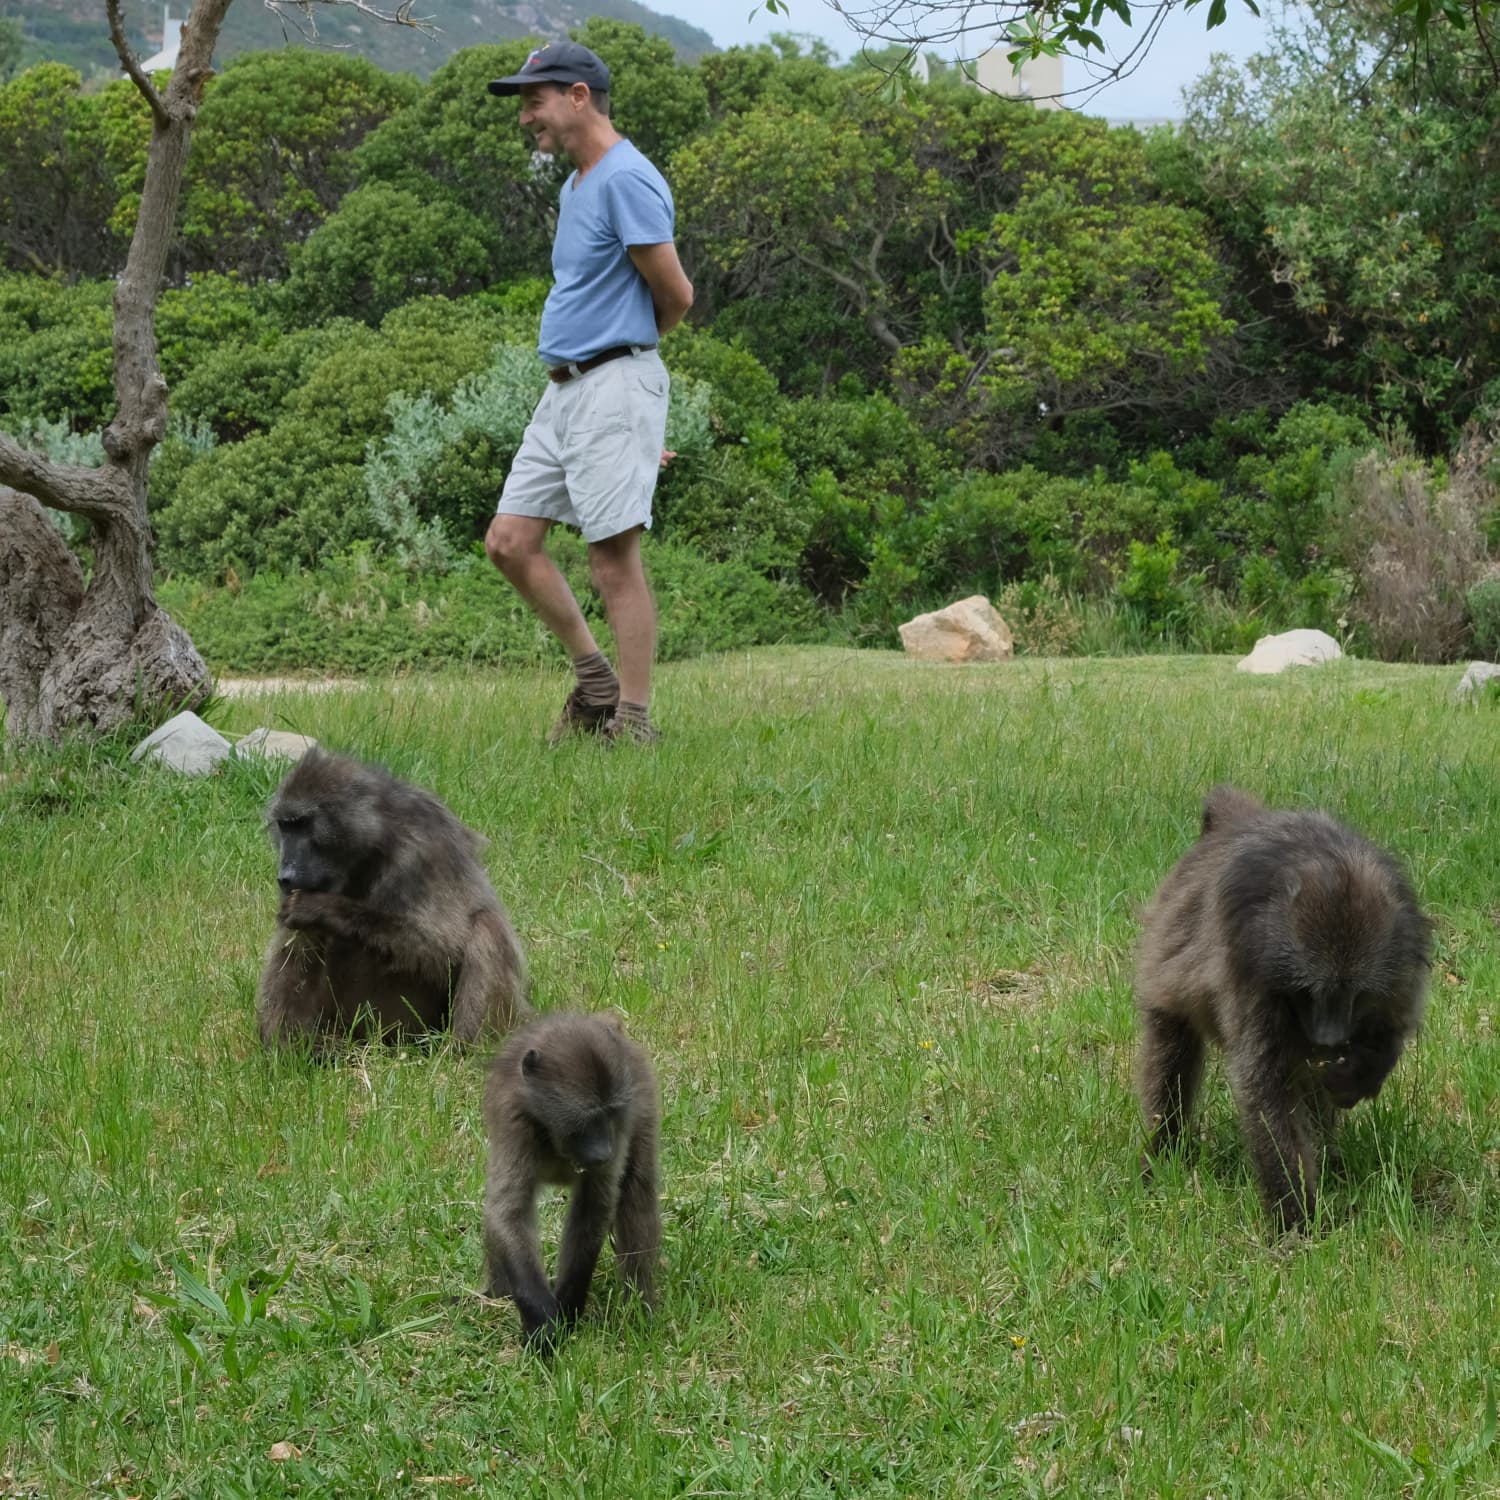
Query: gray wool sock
point(596, 678)
point(632, 713)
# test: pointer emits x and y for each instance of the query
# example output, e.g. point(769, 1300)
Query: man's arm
point(671, 291)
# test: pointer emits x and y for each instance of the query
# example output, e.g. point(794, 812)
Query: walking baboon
point(570, 1099)
point(388, 922)
point(1297, 946)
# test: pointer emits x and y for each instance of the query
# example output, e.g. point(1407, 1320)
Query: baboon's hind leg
point(1169, 1072)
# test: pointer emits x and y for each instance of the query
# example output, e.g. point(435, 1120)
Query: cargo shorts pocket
point(603, 403)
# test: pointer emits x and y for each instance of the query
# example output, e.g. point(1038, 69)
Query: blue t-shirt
point(598, 298)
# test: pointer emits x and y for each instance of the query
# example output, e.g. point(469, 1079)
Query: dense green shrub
point(1290, 488)
point(242, 388)
point(380, 248)
point(357, 613)
point(745, 394)
point(280, 499)
point(214, 313)
point(55, 355)
point(1484, 618)
point(56, 359)
point(1153, 584)
point(737, 501)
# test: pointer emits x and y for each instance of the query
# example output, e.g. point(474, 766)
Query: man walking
point(593, 449)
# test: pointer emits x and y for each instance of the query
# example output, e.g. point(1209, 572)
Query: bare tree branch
point(306, 23)
point(131, 63)
point(100, 494)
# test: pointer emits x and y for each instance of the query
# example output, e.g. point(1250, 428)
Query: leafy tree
point(272, 153)
point(1371, 206)
point(56, 192)
point(1097, 298)
point(12, 44)
point(459, 147)
point(654, 99)
point(1414, 33)
point(741, 79)
point(832, 196)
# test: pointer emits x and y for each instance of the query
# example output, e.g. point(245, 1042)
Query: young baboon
point(388, 922)
point(1297, 946)
point(570, 1099)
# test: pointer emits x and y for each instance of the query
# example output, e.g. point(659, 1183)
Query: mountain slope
point(75, 32)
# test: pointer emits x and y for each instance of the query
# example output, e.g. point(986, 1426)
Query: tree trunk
point(92, 656)
point(41, 588)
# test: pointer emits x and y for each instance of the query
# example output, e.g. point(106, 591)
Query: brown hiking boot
point(618, 731)
point(579, 716)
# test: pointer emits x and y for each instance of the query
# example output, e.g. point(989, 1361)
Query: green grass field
point(874, 921)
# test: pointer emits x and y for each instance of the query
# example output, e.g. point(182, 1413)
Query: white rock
point(1479, 673)
point(970, 630)
point(1293, 648)
point(276, 742)
point(186, 744)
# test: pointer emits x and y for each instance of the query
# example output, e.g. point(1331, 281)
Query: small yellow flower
point(925, 1046)
point(1019, 1340)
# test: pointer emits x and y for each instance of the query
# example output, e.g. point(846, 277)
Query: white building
point(1040, 79)
point(171, 41)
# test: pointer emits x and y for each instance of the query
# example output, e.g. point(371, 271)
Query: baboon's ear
point(1224, 806)
point(531, 1062)
point(613, 1021)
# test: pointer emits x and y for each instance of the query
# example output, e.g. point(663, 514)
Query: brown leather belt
point(561, 373)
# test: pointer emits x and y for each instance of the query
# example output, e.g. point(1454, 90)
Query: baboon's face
point(583, 1123)
point(1327, 1017)
point(592, 1142)
point(1357, 1069)
point(309, 859)
point(326, 824)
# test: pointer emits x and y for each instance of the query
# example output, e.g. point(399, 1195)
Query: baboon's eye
point(299, 824)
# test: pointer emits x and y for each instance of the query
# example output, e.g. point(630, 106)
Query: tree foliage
point(56, 188)
point(1372, 207)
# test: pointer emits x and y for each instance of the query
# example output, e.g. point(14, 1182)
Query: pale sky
point(1181, 51)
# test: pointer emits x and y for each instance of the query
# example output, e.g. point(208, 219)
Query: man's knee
point(512, 540)
point(615, 564)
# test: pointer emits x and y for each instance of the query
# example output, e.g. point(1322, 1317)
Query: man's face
point(550, 113)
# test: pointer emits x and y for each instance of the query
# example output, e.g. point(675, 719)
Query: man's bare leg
point(621, 579)
point(515, 546)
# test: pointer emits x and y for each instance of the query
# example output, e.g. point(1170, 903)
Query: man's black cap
point(557, 62)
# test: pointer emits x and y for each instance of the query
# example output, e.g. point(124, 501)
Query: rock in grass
point(274, 742)
point(184, 743)
point(1473, 684)
point(971, 630)
point(1292, 648)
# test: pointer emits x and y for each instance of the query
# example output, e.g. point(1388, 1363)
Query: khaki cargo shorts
point(592, 450)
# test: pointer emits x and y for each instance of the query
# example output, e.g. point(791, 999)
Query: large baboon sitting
point(388, 922)
point(1295, 945)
